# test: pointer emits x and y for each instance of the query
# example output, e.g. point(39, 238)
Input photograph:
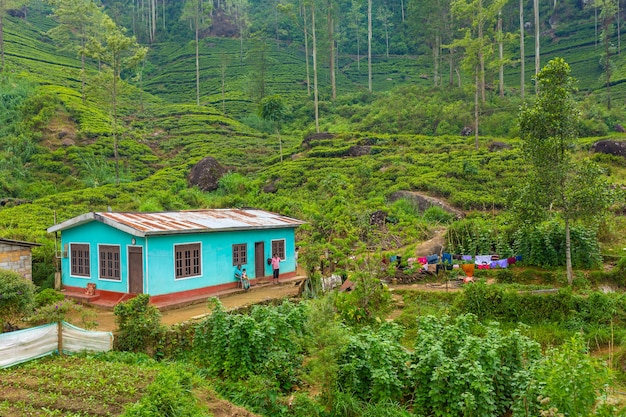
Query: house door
point(259, 259)
point(135, 269)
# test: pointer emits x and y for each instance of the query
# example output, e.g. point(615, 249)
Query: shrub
point(170, 395)
point(435, 214)
point(264, 342)
point(372, 366)
point(461, 367)
point(48, 296)
point(505, 276)
point(567, 379)
point(139, 324)
point(65, 310)
point(17, 299)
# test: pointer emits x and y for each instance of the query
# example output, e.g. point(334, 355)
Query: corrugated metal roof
point(143, 224)
point(19, 243)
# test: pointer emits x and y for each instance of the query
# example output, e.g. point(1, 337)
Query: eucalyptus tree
point(239, 10)
point(369, 45)
point(521, 49)
point(537, 40)
point(608, 11)
point(117, 51)
point(5, 6)
point(430, 21)
point(77, 21)
point(384, 16)
point(196, 12)
point(315, 86)
point(555, 183)
point(477, 43)
point(355, 17)
point(480, 17)
point(330, 11)
point(274, 109)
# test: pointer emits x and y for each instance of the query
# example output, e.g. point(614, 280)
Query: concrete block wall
point(18, 259)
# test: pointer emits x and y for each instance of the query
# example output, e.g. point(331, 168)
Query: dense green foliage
point(263, 343)
point(17, 299)
point(139, 324)
point(357, 189)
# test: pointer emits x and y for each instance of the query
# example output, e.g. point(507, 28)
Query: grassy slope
point(164, 140)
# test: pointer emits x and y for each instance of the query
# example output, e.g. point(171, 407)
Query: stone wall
point(18, 259)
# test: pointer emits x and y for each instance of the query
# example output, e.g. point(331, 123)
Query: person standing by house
point(275, 267)
point(245, 282)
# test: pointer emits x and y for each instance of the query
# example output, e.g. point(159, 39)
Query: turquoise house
point(172, 252)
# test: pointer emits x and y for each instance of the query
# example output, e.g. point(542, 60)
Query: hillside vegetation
point(515, 344)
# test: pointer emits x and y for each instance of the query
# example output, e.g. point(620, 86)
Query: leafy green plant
point(17, 299)
point(48, 296)
point(139, 324)
point(460, 367)
point(372, 366)
point(66, 310)
point(567, 379)
point(170, 395)
point(264, 342)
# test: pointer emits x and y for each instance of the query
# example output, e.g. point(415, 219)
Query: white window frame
point(119, 261)
point(88, 258)
point(176, 278)
point(284, 248)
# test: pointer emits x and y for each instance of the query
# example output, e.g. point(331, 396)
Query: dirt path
point(106, 319)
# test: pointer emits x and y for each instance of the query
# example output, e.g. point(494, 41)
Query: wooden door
point(259, 259)
point(135, 269)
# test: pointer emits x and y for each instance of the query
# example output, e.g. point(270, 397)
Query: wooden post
point(57, 280)
point(60, 337)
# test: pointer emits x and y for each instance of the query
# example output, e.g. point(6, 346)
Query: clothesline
point(481, 261)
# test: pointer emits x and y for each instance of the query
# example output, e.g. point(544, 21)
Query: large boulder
point(206, 174)
point(316, 136)
point(611, 147)
point(358, 150)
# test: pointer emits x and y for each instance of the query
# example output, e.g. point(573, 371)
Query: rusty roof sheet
point(194, 221)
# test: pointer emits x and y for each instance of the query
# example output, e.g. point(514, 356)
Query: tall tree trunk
point(1, 40)
point(387, 40)
point(197, 59)
point(476, 112)
point(481, 55)
point(315, 89)
point(114, 99)
point(358, 43)
point(276, 19)
point(521, 47)
point(568, 252)
point(369, 45)
point(501, 53)
point(306, 52)
point(280, 144)
point(402, 9)
point(224, 84)
point(82, 75)
point(436, 51)
point(537, 57)
point(331, 46)
point(619, 29)
point(606, 25)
